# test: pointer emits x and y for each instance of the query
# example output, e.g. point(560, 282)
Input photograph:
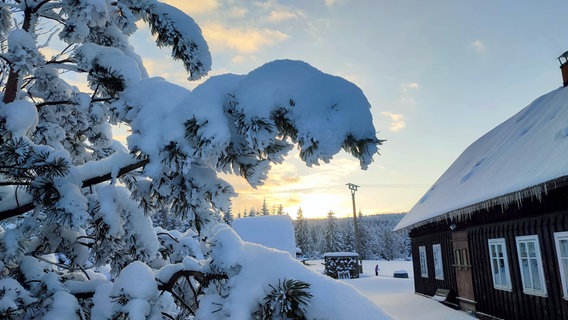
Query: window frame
point(438, 262)
point(423, 261)
point(559, 236)
point(499, 286)
point(540, 269)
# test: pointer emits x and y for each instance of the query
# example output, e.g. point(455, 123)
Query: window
point(423, 264)
point(457, 258)
point(530, 262)
point(461, 259)
point(561, 239)
point(499, 264)
point(464, 256)
point(438, 265)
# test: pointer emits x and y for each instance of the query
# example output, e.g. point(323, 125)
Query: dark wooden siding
point(541, 217)
point(515, 304)
point(428, 286)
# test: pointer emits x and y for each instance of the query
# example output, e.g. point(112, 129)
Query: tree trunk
point(11, 90)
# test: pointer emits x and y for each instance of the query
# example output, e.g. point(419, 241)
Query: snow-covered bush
point(88, 220)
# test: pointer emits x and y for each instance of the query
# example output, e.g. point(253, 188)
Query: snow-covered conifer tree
point(302, 233)
point(252, 212)
point(332, 236)
point(264, 210)
point(228, 216)
point(347, 235)
point(317, 243)
point(83, 239)
point(364, 236)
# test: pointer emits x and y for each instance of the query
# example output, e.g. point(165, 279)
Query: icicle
point(504, 201)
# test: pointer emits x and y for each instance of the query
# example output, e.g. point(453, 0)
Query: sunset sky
point(438, 75)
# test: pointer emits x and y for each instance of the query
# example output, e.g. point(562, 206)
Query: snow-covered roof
point(275, 232)
point(523, 156)
point(340, 254)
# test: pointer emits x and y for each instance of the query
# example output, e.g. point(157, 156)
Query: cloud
point(406, 98)
point(242, 40)
point(330, 3)
point(410, 86)
point(397, 121)
point(293, 200)
point(238, 59)
point(266, 4)
point(478, 46)
point(169, 69)
point(283, 15)
point(194, 7)
point(238, 12)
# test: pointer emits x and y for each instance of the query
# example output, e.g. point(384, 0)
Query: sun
point(317, 205)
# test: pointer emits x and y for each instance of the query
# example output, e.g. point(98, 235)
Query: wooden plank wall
point(428, 286)
point(515, 304)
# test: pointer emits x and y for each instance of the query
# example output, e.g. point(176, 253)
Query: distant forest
point(318, 236)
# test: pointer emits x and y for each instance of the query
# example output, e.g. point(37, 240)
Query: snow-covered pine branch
point(87, 236)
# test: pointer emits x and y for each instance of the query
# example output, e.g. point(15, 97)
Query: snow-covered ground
point(396, 296)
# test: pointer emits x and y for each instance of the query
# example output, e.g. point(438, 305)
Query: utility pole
point(353, 189)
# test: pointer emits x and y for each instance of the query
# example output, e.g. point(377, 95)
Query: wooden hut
point(492, 231)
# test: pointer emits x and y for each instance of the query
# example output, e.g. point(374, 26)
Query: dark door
point(462, 267)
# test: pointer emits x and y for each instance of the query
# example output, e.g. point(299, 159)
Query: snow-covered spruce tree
point(228, 216)
point(302, 233)
point(332, 236)
point(77, 206)
point(347, 235)
point(264, 210)
point(252, 212)
point(364, 236)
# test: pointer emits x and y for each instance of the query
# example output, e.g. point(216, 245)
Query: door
point(462, 268)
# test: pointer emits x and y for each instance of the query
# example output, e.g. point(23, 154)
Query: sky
point(438, 75)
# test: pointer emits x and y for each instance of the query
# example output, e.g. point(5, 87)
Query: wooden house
point(493, 229)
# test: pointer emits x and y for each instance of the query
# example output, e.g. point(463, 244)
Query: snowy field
point(396, 296)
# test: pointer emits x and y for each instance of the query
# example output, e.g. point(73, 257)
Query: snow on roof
point(514, 160)
point(340, 254)
point(270, 231)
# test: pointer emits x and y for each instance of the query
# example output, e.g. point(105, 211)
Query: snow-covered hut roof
point(526, 155)
point(275, 232)
point(340, 254)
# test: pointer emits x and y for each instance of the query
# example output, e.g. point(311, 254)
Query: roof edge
point(536, 191)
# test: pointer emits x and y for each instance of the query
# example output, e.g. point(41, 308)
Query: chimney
point(563, 59)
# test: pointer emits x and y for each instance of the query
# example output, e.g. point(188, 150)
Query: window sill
point(503, 289)
point(536, 293)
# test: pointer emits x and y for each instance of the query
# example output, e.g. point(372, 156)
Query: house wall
point(515, 304)
point(534, 217)
point(429, 285)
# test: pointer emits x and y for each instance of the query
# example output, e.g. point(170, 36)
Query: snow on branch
point(175, 29)
point(19, 202)
point(241, 124)
point(320, 112)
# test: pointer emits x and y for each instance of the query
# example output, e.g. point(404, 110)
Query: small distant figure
point(376, 270)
